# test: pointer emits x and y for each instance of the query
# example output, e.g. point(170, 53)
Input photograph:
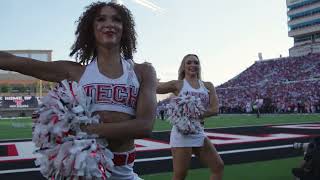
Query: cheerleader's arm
point(213, 107)
point(168, 87)
point(54, 71)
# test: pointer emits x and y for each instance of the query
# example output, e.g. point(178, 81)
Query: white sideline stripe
point(164, 158)
point(222, 152)
point(19, 170)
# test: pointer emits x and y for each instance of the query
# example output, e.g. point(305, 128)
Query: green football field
point(266, 170)
point(11, 128)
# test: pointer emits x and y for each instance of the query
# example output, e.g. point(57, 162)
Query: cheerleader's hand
point(35, 116)
point(73, 133)
point(201, 117)
point(84, 128)
point(107, 118)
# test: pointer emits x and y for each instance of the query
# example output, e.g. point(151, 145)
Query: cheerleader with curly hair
point(123, 92)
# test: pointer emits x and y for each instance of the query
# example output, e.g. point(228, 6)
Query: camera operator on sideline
point(310, 167)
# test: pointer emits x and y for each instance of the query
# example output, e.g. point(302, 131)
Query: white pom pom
point(77, 109)
point(65, 155)
point(184, 112)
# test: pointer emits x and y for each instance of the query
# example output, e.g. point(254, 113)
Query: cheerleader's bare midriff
point(117, 145)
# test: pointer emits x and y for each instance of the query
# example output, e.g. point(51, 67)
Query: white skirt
point(191, 140)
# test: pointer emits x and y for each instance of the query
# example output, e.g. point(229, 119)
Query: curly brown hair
point(84, 47)
point(181, 71)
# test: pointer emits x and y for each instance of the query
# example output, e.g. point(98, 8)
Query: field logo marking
point(299, 126)
point(25, 149)
point(149, 144)
point(222, 139)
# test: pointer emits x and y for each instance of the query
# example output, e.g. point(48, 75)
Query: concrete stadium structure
point(304, 26)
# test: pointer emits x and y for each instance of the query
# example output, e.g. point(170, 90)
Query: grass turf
point(15, 128)
point(22, 127)
point(247, 120)
point(279, 169)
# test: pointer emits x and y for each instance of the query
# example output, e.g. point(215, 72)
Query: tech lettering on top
point(106, 93)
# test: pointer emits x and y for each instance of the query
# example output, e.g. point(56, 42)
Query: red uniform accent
point(123, 159)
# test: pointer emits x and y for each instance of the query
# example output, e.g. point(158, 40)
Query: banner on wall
point(18, 102)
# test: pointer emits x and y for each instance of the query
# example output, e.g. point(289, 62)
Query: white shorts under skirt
point(191, 140)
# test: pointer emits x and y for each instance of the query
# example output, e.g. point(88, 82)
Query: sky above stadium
point(227, 35)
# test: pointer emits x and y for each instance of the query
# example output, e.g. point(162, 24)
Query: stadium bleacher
point(289, 84)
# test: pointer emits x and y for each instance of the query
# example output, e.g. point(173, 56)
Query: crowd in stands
point(287, 85)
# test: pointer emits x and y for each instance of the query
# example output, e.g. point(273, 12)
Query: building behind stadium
point(304, 26)
point(20, 94)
